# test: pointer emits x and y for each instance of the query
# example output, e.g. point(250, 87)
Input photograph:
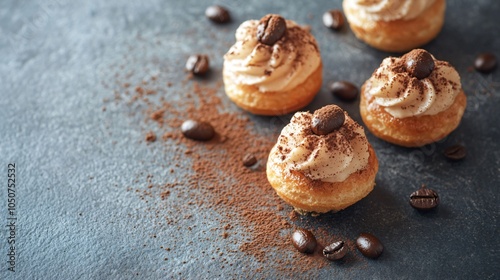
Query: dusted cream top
point(402, 95)
point(279, 67)
point(329, 158)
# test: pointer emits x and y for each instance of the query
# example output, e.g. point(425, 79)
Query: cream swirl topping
point(402, 95)
point(279, 67)
point(329, 158)
point(389, 10)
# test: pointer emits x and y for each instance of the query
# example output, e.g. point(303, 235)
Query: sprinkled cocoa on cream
point(329, 157)
point(272, 59)
point(413, 85)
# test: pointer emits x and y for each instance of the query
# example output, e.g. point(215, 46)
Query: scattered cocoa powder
point(157, 115)
point(217, 180)
point(150, 136)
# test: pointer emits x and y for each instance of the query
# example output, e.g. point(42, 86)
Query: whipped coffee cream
point(402, 94)
point(330, 157)
point(278, 67)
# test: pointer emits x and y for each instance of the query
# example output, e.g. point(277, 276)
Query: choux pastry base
point(249, 97)
point(399, 35)
point(316, 196)
point(412, 131)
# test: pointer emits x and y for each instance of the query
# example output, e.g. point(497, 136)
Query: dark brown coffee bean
point(335, 251)
point(419, 63)
point(455, 152)
point(304, 241)
point(485, 62)
point(333, 19)
point(344, 90)
point(369, 245)
point(217, 14)
point(271, 28)
point(327, 119)
point(424, 199)
point(197, 64)
point(249, 160)
point(196, 130)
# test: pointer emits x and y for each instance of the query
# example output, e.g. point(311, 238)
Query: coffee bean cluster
point(304, 241)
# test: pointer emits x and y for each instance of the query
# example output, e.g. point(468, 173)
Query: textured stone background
point(74, 162)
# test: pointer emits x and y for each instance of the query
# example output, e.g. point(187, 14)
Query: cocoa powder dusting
point(150, 136)
point(216, 181)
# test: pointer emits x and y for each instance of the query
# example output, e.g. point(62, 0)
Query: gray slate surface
point(74, 162)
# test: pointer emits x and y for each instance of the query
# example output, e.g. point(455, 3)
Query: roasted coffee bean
point(327, 119)
point(369, 245)
point(335, 251)
point(344, 90)
point(424, 199)
point(217, 14)
point(249, 160)
point(333, 19)
point(271, 28)
point(304, 241)
point(485, 62)
point(197, 64)
point(419, 63)
point(196, 130)
point(455, 152)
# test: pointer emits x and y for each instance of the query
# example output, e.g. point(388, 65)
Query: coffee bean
point(271, 28)
point(424, 199)
point(419, 63)
point(485, 62)
point(197, 64)
point(333, 19)
point(249, 160)
point(455, 152)
point(327, 119)
point(304, 241)
point(335, 251)
point(197, 130)
point(369, 245)
point(217, 14)
point(344, 90)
